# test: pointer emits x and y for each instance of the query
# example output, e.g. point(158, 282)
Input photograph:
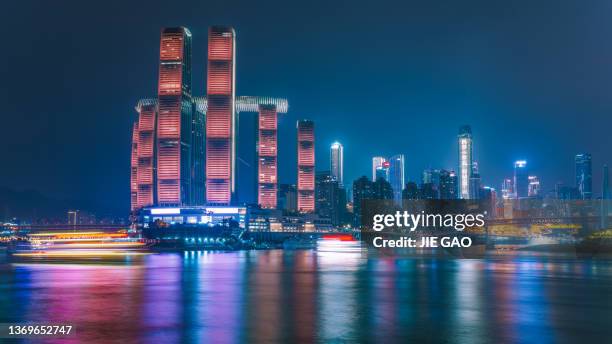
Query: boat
point(77, 246)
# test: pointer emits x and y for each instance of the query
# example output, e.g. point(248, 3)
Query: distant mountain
point(33, 206)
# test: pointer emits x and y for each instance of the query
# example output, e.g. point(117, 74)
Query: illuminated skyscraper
point(475, 182)
point(134, 169)
point(465, 161)
point(507, 189)
point(198, 155)
point(521, 179)
point(147, 118)
point(336, 155)
point(220, 116)
point(377, 163)
point(584, 182)
point(174, 118)
point(534, 186)
point(396, 176)
point(306, 166)
point(267, 157)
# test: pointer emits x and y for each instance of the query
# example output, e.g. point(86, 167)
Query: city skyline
point(338, 116)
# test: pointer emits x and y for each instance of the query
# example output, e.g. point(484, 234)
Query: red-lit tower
point(174, 122)
point(220, 116)
point(147, 119)
point(267, 157)
point(134, 169)
point(306, 166)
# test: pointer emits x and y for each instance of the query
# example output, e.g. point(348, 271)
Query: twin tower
point(184, 147)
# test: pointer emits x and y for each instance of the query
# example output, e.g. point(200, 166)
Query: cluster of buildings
point(184, 153)
point(388, 182)
point(184, 148)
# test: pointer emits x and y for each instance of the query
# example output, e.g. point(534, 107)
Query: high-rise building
point(133, 169)
point(396, 176)
point(428, 191)
point(221, 116)
point(267, 151)
point(432, 177)
point(174, 122)
point(198, 155)
point(287, 197)
point(605, 197)
point(521, 179)
point(488, 196)
point(475, 182)
point(507, 189)
point(330, 201)
point(448, 184)
point(465, 161)
point(306, 166)
point(534, 186)
point(147, 121)
point(584, 182)
point(377, 164)
point(566, 192)
point(382, 172)
point(411, 191)
point(605, 184)
point(362, 190)
point(336, 163)
point(381, 189)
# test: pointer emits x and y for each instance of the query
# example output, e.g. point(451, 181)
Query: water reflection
point(307, 296)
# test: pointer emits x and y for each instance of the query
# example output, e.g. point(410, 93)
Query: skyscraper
point(362, 190)
point(133, 169)
point(396, 176)
point(448, 184)
point(584, 182)
point(382, 171)
point(411, 191)
point(521, 179)
point(475, 182)
point(306, 166)
point(174, 117)
point(147, 120)
point(605, 184)
point(221, 116)
point(605, 197)
point(267, 151)
point(336, 156)
point(377, 163)
point(465, 161)
point(534, 186)
point(432, 177)
point(507, 188)
point(330, 197)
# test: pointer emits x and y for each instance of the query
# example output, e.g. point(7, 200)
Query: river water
point(311, 296)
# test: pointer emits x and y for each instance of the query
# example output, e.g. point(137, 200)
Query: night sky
point(532, 78)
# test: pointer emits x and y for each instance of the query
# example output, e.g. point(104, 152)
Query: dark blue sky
point(533, 78)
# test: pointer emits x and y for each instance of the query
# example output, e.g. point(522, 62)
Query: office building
point(521, 179)
point(336, 163)
point(396, 176)
point(377, 165)
point(267, 151)
point(174, 122)
point(534, 186)
point(448, 184)
point(220, 116)
point(584, 182)
point(306, 166)
point(465, 161)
